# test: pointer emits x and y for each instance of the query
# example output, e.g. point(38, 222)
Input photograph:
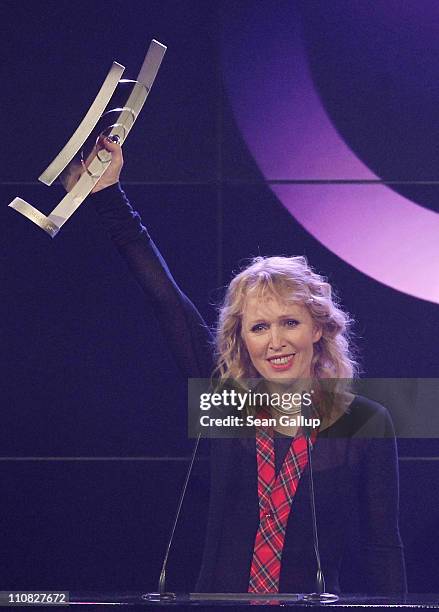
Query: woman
point(279, 323)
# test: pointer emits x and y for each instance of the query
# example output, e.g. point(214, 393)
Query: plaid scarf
point(275, 499)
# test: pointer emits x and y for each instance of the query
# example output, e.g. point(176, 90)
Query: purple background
point(85, 372)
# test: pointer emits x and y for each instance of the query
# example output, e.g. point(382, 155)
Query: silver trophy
point(115, 124)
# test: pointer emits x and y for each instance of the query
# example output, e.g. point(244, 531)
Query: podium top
point(190, 600)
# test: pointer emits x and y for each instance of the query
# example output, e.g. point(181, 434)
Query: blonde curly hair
point(290, 279)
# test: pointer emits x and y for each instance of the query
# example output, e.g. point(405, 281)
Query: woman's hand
point(75, 169)
point(112, 173)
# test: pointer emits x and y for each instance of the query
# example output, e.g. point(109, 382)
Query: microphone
point(161, 594)
point(320, 594)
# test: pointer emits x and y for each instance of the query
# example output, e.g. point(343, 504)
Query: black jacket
point(354, 460)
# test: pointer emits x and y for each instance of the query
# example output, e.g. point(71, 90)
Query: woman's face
point(279, 337)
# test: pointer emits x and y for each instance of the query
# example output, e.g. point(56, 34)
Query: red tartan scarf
point(275, 499)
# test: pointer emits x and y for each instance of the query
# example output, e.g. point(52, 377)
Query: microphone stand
point(161, 594)
point(320, 595)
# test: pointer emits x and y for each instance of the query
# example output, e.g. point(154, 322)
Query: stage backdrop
point(273, 128)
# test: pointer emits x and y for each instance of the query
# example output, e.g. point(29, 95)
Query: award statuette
point(115, 124)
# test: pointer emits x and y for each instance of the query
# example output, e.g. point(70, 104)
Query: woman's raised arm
point(185, 331)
